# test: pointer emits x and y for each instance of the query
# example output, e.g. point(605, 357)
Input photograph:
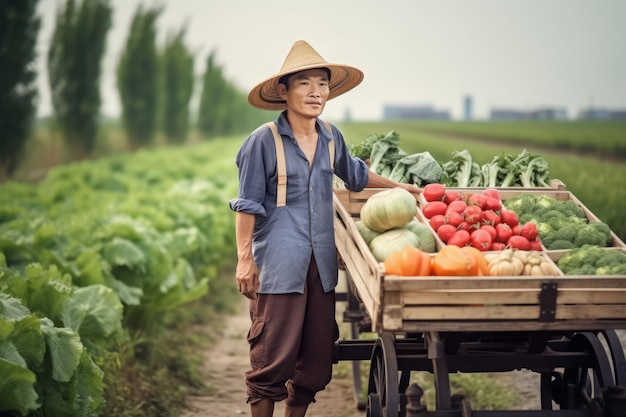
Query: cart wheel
point(383, 397)
point(580, 386)
point(617, 355)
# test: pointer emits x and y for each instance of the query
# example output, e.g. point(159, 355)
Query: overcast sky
point(520, 54)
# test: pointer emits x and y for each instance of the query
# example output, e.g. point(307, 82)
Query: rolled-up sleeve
point(353, 171)
point(251, 161)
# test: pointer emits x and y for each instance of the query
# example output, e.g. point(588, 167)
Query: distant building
point(467, 108)
point(408, 112)
point(602, 114)
point(508, 114)
point(546, 113)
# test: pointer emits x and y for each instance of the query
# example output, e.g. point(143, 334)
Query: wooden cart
point(561, 327)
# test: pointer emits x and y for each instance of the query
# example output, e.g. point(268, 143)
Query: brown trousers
point(291, 343)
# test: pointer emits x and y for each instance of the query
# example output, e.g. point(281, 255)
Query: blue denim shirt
point(284, 237)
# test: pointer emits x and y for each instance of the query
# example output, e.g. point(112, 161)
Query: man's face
point(307, 93)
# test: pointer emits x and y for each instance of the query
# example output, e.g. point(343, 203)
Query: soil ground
point(226, 361)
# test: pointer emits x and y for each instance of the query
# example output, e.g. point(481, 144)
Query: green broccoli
point(544, 229)
point(592, 235)
point(547, 201)
point(566, 233)
point(583, 270)
point(611, 257)
point(574, 208)
point(617, 269)
point(577, 258)
point(558, 244)
point(521, 203)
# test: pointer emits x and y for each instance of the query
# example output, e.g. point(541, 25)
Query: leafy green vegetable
point(363, 150)
point(593, 260)
point(385, 153)
point(504, 170)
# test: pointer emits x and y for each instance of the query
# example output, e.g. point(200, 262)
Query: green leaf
point(12, 308)
point(29, 341)
point(65, 349)
point(94, 312)
point(122, 252)
point(48, 289)
point(17, 392)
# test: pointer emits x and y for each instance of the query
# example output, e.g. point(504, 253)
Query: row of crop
point(99, 250)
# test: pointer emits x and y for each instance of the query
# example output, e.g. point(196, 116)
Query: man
point(287, 261)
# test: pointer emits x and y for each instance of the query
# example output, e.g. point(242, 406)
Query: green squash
point(389, 209)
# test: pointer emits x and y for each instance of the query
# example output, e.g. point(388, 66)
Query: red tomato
point(459, 238)
point(434, 192)
point(478, 200)
point(492, 203)
point(491, 217)
point(436, 221)
point(503, 232)
point(536, 245)
point(445, 232)
point(473, 214)
point(481, 239)
point(529, 231)
point(492, 230)
point(509, 217)
point(457, 205)
point(518, 242)
point(454, 218)
point(465, 226)
point(451, 196)
point(492, 192)
point(498, 246)
point(434, 207)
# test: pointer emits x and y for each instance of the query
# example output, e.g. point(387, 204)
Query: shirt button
point(311, 188)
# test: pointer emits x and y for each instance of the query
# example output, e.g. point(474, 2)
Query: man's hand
point(247, 275)
point(412, 188)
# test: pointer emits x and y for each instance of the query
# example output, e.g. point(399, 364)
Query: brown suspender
point(281, 190)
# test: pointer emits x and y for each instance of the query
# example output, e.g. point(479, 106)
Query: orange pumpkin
point(481, 262)
point(410, 261)
point(452, 260)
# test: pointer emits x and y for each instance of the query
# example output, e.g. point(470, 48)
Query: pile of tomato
point(476, 219)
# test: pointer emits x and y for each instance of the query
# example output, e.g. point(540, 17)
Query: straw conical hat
point(303, 57)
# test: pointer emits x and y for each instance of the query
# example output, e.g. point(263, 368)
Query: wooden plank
point(397, 283)
point(506, 325)
point(503, 312)
point(438, 297)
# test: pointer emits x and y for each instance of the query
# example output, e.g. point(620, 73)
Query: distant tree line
point(155, 84)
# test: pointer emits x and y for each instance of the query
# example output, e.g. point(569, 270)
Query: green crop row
point(93, 261)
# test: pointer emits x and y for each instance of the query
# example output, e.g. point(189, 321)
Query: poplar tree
point(74, 69)
point(19, 26)
point(137, 78)
point(212, 98)
point(178, 81)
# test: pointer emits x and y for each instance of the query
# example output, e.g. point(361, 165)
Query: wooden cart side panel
point(366, 273)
